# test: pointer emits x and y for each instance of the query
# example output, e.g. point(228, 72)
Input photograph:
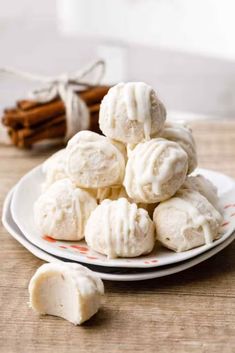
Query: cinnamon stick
point(91, 95)
point(13, 135)
point(30, 121)
point(40, 112)
point(56, 132)
point(27, 131)
point(94, 95)
point(29, 104)
point(57, 128)
point(35, 115)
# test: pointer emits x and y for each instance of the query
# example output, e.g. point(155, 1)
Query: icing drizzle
point(142, 164)
point(119, 219)
point(137, 99)
point(189, 202)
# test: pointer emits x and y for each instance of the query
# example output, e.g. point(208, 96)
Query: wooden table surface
point(192, 311)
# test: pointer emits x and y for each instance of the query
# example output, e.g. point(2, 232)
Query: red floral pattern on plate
point(49, 239)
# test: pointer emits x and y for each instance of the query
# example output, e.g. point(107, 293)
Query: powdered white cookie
point(180, 133)
point(62, 211)
point(93, 161)
point(54, 168)
point(67, 290)
point(131, 112)
point(205, 187)
point(120, 229)
point(186, 221)
point(155, 170)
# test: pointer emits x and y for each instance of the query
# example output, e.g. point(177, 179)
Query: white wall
point(186, 79)
point(11, 10)
point(200, 26)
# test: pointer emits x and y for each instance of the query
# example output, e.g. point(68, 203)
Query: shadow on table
point(218, 268)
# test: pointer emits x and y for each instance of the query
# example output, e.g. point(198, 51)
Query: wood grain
point(192, 311)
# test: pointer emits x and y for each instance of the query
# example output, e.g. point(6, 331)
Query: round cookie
point(92, 161)
point(180, 133)
point(67, 290)
point(186, 221)
point(120, 229)
point(155, 170)
point(205, 187)
point(131, 112)
point(54, 168)
point(62, 210)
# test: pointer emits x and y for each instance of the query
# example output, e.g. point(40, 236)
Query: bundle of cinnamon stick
point(30, 122)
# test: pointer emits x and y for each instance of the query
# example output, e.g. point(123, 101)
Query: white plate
point(29, 188)
point(148, 274)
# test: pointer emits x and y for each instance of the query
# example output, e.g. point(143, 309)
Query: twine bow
point(65, 86)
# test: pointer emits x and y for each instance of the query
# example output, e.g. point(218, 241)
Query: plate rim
point(41, 254)
point(111, 263)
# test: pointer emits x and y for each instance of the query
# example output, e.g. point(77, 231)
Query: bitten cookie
point(67, 290)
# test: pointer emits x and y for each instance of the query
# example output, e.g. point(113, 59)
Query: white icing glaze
point(61, 212)
point(204, 187)
point(112, 103)
point(190, 202)
point(54, 168)
point(143, 161)
point(137, 97)
point(131, 113)
point(199, 220)
point(125, 214)
point(178, 130)
point(126, 230)
point(180, 133)
point(93, 161)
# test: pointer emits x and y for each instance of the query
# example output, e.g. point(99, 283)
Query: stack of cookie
point(127, 189)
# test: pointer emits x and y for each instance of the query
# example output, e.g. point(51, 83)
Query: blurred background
point(184, 48)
